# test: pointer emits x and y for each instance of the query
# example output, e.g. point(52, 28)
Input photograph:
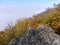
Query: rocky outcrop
point(39, 36)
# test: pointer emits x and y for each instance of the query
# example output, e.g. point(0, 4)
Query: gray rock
point(13, 42)
point(39, 36)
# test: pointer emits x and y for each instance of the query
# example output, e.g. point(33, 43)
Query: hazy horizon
point(10, 10)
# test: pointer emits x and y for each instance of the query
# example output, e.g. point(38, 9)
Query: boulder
point(42, 35)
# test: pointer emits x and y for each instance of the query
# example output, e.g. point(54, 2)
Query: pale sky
point(10, 10)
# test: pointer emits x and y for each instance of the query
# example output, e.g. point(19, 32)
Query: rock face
point(39, 36)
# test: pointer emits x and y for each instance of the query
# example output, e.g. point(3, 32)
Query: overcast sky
point(10, 10)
